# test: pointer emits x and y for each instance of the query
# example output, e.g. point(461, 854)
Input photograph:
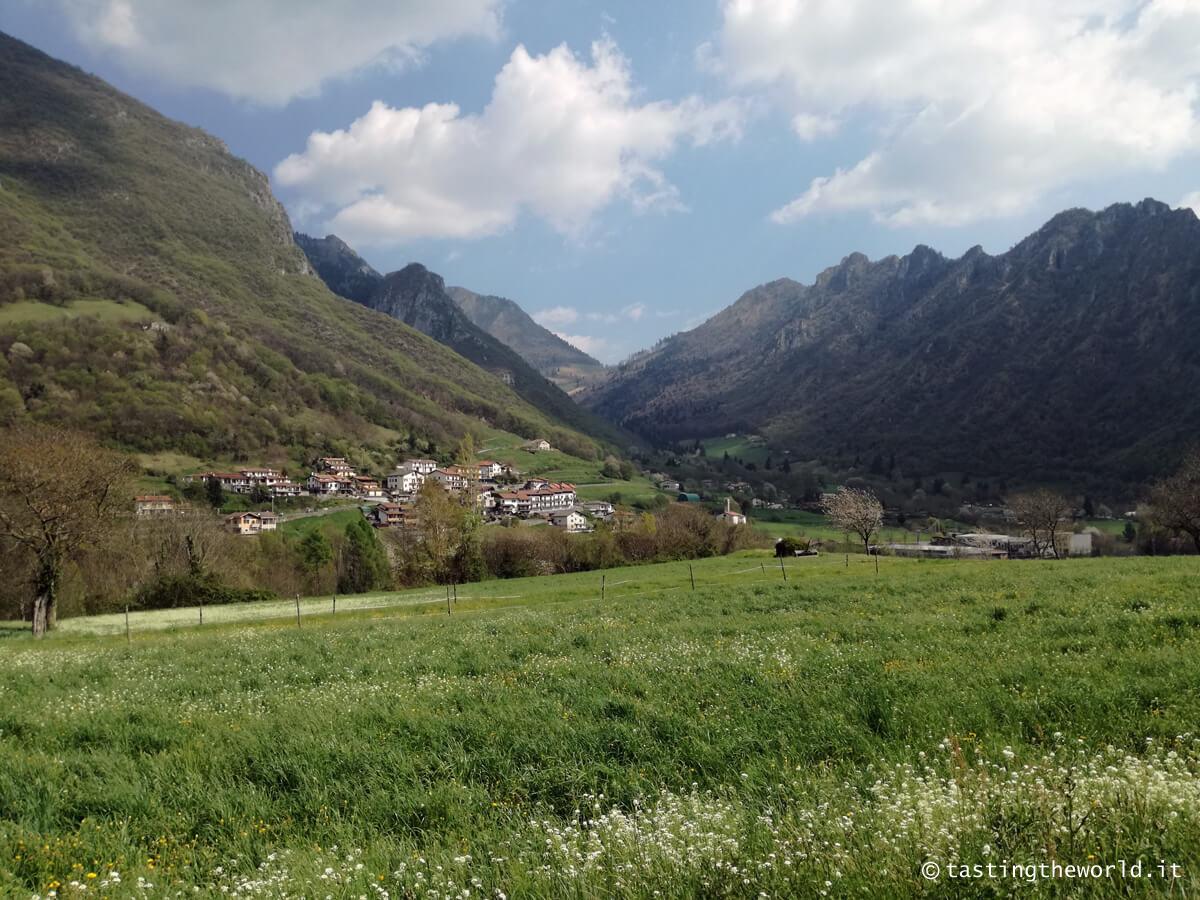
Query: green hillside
point(151, 292)
point(832, 735)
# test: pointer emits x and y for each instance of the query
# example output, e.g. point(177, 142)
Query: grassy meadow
point(827, 735)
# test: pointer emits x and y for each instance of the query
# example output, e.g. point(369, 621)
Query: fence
point(659, 580)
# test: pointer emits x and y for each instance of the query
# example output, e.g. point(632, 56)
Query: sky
point(623, 169)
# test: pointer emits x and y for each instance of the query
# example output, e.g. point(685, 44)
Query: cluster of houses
point(498, 494)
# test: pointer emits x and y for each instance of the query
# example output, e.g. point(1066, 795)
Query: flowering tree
point(852, 510)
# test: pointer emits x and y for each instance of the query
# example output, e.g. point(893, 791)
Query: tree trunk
point(45, 602)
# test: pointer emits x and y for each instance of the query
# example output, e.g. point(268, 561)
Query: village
point(498, 490)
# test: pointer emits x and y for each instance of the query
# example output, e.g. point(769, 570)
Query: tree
point(1175, 501)
point(214, 493)
point(1041, 514)
point(856, 511)
point(364, 563)
point(611, 468)
point(315, 552)
point(60, 493)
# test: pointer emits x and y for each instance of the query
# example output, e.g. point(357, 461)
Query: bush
point(173, 591)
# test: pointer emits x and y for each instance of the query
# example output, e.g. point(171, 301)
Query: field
point(554, 464)
point(830, 735)
point(747, 448)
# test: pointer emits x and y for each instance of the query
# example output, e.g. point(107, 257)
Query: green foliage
point(315, 552)
point(214, 493)
point(196, 589)
point(364, 565)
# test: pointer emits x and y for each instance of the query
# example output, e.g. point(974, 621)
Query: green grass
point(751, 736)
point(336, 520)
point(744, 447)
point(559, 466)
point(29, 311)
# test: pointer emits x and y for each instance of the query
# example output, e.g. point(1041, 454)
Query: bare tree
point(854, 510)
point(1041, 514)
point(1175, 501)
point(60, 493)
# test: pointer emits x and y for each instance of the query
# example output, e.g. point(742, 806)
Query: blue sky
point(623, 170)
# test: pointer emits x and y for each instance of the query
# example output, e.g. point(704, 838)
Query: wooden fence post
point(297, 610)
point(201, 610)
point(335, 604)
point(783, 568)
point(692, 575)
point(602, 579)
point(128, 638)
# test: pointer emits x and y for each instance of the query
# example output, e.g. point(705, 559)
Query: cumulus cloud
point(560, 138)
point(271, 51)
point(981, 108)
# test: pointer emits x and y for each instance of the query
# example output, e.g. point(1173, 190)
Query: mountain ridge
point(348, 275)
point(953, 363)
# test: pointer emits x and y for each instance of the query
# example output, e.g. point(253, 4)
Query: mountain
point(419, 298)
point(564, 364)
point(348, 275)
point(151, 293)
point(344, 272)
point(1074, 355)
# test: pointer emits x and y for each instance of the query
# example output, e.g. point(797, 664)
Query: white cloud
point(271, 51)
point(1192, 202)
point(980, 108)
point(560, 138)
point(592, 346)
point(556, 315)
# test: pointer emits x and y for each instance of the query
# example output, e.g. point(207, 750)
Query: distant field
point(740, 447)
point(832, 734)
point(559, 466)
point(108, 310)
point(329, 521)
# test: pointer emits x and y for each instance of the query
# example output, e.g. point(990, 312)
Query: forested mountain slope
point(151, 292)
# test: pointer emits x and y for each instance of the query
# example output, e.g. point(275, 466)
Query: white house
point(405, 480)
point(569, 521)
point(513, 503)
point(548, 496)
point(322, 483)
point(490, 469)
point(598, 509)
point(420, 466)
point(285, 488)
point(537, 445)
point(452, 478)
point(731, 517)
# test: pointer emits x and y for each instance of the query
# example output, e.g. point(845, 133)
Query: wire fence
point(132, 622)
